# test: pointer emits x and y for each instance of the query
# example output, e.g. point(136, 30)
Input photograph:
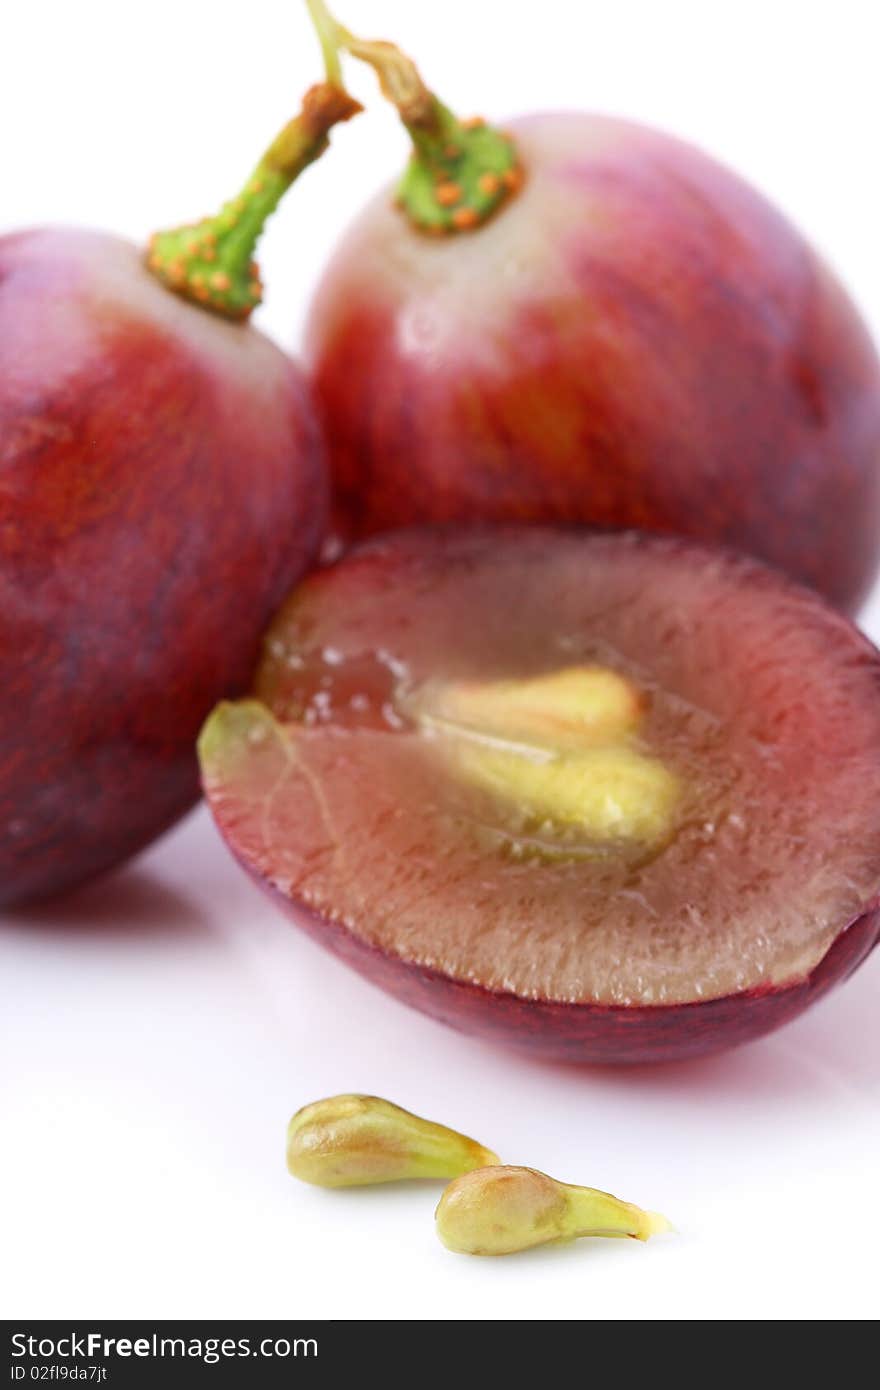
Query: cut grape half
point(613, 797)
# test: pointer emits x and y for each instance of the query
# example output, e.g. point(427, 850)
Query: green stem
point(460, 172)
point(329, 37)
point(212, 262)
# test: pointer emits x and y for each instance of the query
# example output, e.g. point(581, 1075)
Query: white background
point(158, 1029)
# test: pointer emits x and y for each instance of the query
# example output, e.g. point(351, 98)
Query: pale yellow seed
point(574, 707)
point(557, 748)
point(355, 1140)
point(502, 1210)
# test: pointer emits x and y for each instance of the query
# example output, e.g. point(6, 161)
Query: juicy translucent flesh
point(762, 704)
